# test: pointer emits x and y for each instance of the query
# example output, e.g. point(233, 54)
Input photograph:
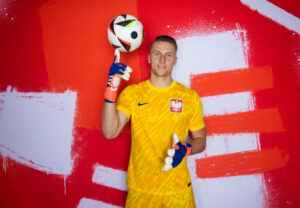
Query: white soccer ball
point(125, 33)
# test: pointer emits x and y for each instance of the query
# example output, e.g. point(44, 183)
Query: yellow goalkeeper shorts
point(142, 200)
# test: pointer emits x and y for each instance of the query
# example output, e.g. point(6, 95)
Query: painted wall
point(242, 57)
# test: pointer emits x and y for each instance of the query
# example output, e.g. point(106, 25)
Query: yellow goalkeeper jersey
point(156, 114)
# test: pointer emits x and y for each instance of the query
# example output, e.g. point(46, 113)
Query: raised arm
point(113, 121)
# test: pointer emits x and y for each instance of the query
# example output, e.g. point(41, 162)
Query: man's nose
point(162, 59)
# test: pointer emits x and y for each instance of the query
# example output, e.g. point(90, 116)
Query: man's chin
point(162, 72)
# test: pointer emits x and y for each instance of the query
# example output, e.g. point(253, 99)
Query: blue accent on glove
point(116, 68)
point(176, 153)
point(180, 153)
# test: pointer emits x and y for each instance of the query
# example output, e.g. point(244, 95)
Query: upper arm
point(124, 106)
point(199, 134)
point(123, 120)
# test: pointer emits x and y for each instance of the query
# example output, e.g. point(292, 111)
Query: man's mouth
point(161, 66)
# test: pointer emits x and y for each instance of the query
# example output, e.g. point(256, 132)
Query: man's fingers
point(171, 152)
point(123, 66)
point(168, 160)
point(126, 76)
point(175, 139)
point(114, 61)
point(168, 164)
point(129, 69)
point(167, 167)
point(117, 56)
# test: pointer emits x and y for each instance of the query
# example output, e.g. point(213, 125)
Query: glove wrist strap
point(110, 96)
point(188, 150)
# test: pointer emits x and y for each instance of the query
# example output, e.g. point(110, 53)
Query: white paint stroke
point(234, 192)
point(213, 53)
point(36, 129)
point(208, 189)
point(275, 13)
point(229, 143)
point(110, 177)
point(91, 203)
point(228, 103)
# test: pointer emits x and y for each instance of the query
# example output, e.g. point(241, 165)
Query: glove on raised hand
point(176, 153)
point(116, 72)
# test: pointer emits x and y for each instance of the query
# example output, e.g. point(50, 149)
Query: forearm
point(198, 145)
point(198, 141)
point(110, 121)
point(113, 121)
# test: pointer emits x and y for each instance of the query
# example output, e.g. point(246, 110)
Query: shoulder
point(185, 89)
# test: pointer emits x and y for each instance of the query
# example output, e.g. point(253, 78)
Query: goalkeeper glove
point(177, 153)
point(116, 72)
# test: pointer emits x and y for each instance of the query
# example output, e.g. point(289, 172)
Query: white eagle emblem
point(176, 105)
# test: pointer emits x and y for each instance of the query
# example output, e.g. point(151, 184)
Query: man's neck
point(160, 82)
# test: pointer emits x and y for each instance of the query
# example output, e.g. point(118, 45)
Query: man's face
point(162, 58)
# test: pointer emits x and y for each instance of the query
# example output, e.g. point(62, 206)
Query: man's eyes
point(167, 55)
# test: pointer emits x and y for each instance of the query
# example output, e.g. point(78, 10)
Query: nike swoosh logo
point(140, 104)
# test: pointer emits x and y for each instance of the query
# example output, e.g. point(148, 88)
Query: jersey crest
point(176, 105)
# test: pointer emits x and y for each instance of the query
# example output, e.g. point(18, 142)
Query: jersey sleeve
point(196, 121)
point(124, 101)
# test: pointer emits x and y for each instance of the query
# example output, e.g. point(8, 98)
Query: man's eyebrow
point(153, 51)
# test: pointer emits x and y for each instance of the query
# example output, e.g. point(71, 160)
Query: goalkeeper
point(162, 113)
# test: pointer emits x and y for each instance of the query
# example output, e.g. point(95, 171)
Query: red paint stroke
point(107, 195)
point(263, 120)
point(242, 163)
point(233, 81)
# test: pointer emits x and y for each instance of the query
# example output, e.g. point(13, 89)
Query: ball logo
point(176, 105)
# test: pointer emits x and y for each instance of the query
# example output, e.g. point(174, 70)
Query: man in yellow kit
point(162, 113)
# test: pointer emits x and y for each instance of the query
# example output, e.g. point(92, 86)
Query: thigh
point(141, 200)
point(137, 199)
point(181, 201)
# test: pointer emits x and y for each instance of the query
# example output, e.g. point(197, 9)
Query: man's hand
point(117, 72)
point(177, 153)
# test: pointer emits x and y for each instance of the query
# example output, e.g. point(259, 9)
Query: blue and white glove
point(117, 72)
point(176, 153)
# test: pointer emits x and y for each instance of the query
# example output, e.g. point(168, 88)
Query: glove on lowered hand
point(176, 153)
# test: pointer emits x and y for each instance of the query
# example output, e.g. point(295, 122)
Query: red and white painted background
point(242, 57)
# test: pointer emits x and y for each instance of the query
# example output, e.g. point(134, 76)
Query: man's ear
point(149, 58)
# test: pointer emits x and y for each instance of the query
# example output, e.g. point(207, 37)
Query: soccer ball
point(125, 33)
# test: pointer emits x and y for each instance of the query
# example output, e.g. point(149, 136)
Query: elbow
point(204, 145)
point(108, 134)
point(203, 148)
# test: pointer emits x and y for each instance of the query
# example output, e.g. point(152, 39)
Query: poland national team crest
point(176, 105)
